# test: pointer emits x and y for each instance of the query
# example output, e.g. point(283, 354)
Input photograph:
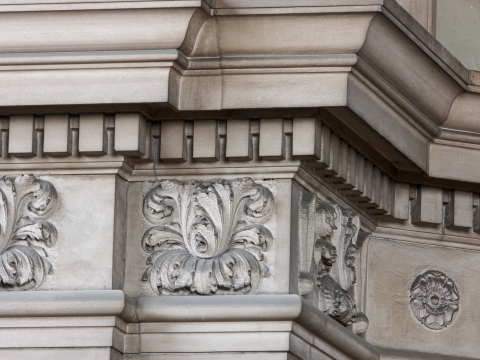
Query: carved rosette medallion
point(331, 241)
point(25, 204)
point(208, 237)
point(434, 299)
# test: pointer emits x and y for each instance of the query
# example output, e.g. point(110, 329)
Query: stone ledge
point(61, 303)
point(216, 308)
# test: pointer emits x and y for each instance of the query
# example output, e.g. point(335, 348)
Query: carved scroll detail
point(434, 299)
point(208, 236)
point(25, 204)
point(333, 238)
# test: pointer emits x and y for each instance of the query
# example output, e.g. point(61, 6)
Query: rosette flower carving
point(25, 204)
point(208, 236)
point(434, 299)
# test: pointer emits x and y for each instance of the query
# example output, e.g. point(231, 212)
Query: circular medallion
point(434, 299)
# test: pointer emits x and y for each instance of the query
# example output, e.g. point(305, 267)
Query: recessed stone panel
point(393, 267)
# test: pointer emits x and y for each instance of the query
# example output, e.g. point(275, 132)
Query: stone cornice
point(372, 58)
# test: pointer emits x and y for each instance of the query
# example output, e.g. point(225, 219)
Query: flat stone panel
point(130, 134)
point(400, 200)
point(56, 135)
point(455, 163)
point(428, 205)
point(205, 140)
point(275, 90)
point(91, 136)
point(458, 28)
point(306, 138)
point(394, 265)
point(173, 141)
point(84, 86)
point(22, 136)
point(56, 337)
point(239, 140)
point(204, 342)
point(82, 257)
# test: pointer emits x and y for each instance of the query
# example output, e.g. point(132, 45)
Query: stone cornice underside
point(373, 59)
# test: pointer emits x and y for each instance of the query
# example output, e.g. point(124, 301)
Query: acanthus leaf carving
point(332, 237)
point(209, 236)
point(25, 204)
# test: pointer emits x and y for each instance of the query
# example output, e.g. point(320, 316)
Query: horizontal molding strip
point(61, 303)
point(218, 308)
point(88, 57)
point(68, 5)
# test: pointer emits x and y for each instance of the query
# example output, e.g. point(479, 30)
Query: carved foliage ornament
point(25, 204)
point(331, 239)
point(208, 236)
point(434, 299)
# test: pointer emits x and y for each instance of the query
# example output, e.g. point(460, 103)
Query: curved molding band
point(61, 303)
point(219, 308)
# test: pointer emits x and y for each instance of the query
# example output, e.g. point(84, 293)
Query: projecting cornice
point(212, 55)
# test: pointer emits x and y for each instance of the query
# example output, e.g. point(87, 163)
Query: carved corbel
point(327, 266)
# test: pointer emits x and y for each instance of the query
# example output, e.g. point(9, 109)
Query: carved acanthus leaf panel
point(209, 236)
point(327, 265)
point(25, 204)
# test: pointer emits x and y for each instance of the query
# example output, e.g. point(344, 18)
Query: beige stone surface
point(271, 139)
point(92, 139)
point(84, 86)
point(93, 353)
point(82, 257)
point(93, 30)
point(191, 342)
point(239, 140)
point(173, 141)
point(56, 337)
point(130, 134)
point(206, 143)
point(56, 137)
point(22, 137)
point(457, 29)
point(210, 356)
point(392, 268)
